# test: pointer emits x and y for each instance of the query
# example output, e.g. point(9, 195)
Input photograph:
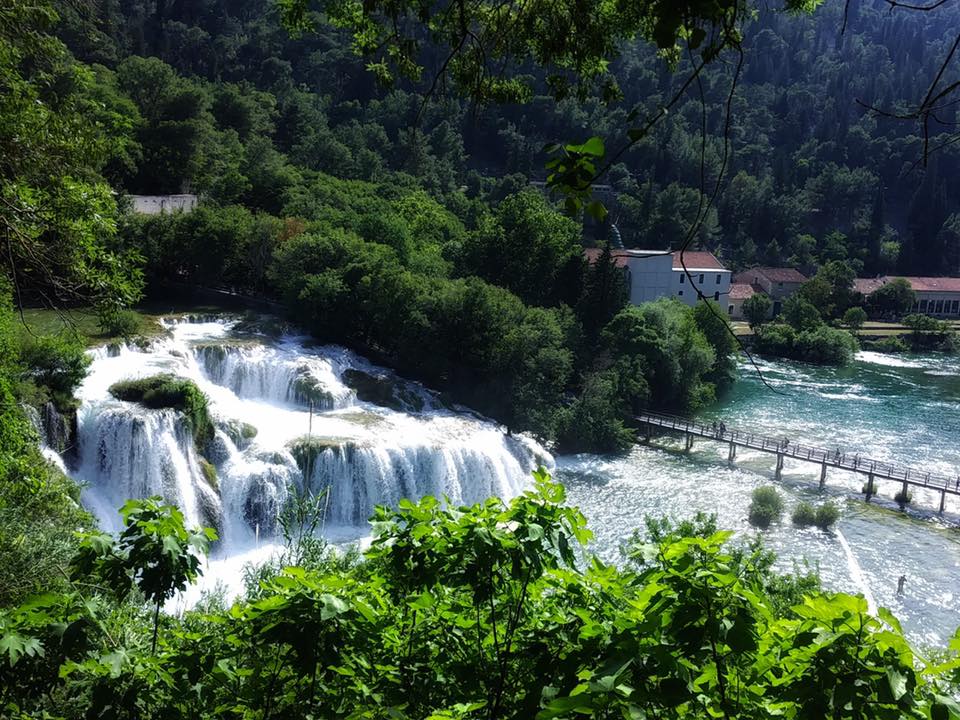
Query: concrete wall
point(158, 204)
point(650, 277)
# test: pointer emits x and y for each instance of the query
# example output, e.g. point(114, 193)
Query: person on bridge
point(723, 428)
point(714, 427)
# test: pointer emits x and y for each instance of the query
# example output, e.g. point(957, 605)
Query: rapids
point(288, 415)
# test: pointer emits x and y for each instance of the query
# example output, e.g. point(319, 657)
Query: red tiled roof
point(741, 291)
point(777, 275)
point(697, 260)
point(919, 284)
point(782, 274)
point(865, 286)
point(934, 284)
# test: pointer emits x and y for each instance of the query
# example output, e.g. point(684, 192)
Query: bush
point(121, 323)
point(891, 344)
point(54, 364)
point(822, 344)
point(804, 515)
point(167, 391)
point(766, 506)
point(827, 515)
point(903, 498)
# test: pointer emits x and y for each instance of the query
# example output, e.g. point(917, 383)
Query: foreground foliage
point(490, 611)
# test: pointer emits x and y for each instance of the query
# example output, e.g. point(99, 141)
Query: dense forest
point(240, 111)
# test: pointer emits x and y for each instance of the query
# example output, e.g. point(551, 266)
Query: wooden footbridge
point(783, 448)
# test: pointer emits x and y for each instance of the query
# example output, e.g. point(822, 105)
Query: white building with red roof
point(938, 296)
point(687, 276)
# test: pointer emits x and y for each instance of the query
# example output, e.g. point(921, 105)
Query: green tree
point(57, 215)
point(530, 249)
point(893, 299)
point(854, 318)
point(801, 314)
point(155, 552)
point(756, 309)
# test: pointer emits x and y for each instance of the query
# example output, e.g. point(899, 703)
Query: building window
point(680, 293)
point(955, 307)
point(779, 285)
point(730, 309)
point(718, 278)
point(701, 278)
point(683, 278)
point(939, 307)
point(716, 295)
point(923, 306)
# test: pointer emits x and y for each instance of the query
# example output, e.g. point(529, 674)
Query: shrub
point(210, 474)
point(167, 391)
point(766, 506)
point(903, 498)
point(121, 323)
point(54, 364)
point(804, 515)
point(890, 344)
point(827, 515)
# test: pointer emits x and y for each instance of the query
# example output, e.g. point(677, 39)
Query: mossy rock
point(210, 474)
point(362, 418)
point(382, 390)
point(168, 391)
point(306, 450)
point(239, 432)
point(307, 389)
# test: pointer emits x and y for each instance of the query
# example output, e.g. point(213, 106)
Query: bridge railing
point(804, 452)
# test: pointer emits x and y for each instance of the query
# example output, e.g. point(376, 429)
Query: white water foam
point(364, 454)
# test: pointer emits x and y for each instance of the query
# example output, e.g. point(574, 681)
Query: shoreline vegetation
point(494, 598)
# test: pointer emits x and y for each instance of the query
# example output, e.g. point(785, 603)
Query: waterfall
point(258, 371)
point(359, 477)
point(372, 450)
point(131, 452)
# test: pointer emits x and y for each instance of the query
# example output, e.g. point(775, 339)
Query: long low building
point(654, 274)
point(938, 296)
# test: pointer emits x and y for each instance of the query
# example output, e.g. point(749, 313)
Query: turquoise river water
point(900, 409)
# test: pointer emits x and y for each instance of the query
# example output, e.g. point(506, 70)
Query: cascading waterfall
point(271, 400)
point(359, 477)
point(256, 371)
point(131, 452)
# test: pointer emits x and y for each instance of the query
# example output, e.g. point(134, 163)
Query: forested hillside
point(241, 112)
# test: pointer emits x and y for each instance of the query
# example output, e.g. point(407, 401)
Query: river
point(889, 408)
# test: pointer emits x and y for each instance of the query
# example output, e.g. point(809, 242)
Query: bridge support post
point(779, 470)
point(905, 490)
point(870, 489)
point(732, 455)
point(689, 443)
point(943, 500)
point(649, 432)
point(823, 475)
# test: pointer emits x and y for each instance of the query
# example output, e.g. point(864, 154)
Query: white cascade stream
point(261, 392)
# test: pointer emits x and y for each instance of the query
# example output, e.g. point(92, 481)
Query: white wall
point(157, 204)
point(715, 285)
point(651, 277)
